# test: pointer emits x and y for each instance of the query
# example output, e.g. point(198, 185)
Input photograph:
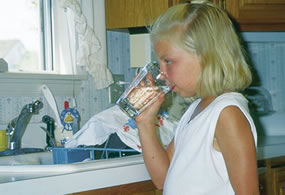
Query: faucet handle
point(10, 128)
point(34, 106)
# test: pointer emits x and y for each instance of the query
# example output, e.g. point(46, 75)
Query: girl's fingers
point(149, 80)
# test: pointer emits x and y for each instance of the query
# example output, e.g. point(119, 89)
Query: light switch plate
point(116, 90)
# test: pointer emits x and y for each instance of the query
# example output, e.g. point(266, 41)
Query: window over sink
point(26, 35)
point(36, 37)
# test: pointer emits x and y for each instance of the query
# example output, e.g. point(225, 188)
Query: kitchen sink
point(41, 164)
point(61, 161)
point(37, 158)
point(30, 165)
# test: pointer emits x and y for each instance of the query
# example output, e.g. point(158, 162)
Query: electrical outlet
point(116, 90)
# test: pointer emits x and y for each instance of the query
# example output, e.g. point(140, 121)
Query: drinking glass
point(143, 90)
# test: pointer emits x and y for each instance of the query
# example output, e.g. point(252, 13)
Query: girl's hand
point(149, 115)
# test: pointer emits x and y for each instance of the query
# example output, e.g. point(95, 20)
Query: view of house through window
point(21, 35)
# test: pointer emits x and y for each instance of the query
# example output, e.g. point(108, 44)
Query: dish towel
point(113, 120)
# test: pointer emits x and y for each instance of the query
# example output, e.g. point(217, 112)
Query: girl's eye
point(168, 62)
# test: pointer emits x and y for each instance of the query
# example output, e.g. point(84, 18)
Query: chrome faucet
point(16, 127)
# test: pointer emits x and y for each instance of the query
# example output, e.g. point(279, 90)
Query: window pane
point(20, 34)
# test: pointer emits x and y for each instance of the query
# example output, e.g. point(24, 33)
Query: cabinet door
point(135, 13)
point(278, 181)
point(262, 184)
point(257, 15)
point(282, 188)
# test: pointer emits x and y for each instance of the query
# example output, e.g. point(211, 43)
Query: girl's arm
point(237, 145)
point(156, 158)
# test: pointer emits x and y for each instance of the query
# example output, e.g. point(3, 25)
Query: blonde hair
point(205, 29)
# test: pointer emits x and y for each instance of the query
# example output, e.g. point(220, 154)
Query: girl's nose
point(163, 67)
point(163, 72)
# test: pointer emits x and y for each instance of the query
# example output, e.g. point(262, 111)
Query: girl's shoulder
point(231, 99)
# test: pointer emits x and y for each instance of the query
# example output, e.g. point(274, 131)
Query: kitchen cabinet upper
point(257, 15)
point(250, 15)
point(135, 13)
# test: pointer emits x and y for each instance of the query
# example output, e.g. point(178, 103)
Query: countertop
point(80, 177)
point(270, 147)
point(106, 173)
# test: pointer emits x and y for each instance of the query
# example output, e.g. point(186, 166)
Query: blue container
point(69, 155)
point(63, 155)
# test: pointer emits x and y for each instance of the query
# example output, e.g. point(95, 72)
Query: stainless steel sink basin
point(38, 158)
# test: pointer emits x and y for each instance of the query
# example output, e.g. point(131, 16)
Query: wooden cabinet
point(257, 15)
point(272, 181)
point(139, 188)
point(278, 180)
point(251, 15)
point(135, 13)
point(262, 184)
point(282, 188)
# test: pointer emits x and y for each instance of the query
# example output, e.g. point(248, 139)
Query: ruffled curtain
point(91, 51)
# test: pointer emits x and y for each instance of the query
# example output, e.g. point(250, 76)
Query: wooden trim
point(261, 27)
point(269, 175)
point(129, 189)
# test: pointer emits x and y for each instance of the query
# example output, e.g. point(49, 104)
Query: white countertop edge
point(270, 151)
point(77, 182)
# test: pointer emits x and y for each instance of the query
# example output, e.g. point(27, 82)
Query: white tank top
point(196, 167)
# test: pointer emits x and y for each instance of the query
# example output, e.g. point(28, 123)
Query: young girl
point(213, 150)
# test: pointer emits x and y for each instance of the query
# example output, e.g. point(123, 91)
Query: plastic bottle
point(70, 120)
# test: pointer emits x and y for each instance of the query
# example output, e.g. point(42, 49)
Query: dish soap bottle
point(70, 120)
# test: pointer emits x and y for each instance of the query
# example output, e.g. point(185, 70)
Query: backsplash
point(267, 52)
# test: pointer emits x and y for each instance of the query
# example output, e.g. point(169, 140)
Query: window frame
point(29, 84)
point(47, 26)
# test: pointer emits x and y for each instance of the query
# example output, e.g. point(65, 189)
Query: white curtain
point(90, 48)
